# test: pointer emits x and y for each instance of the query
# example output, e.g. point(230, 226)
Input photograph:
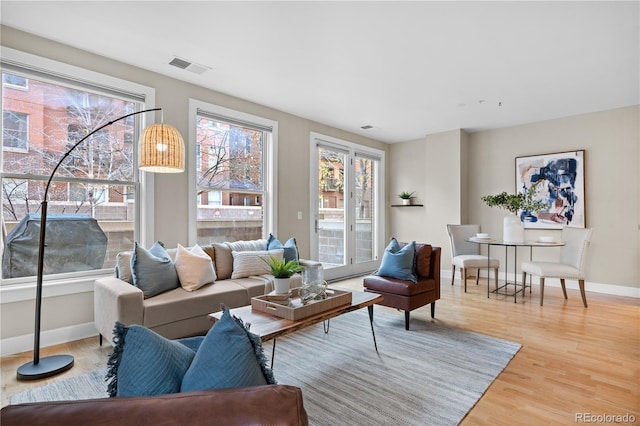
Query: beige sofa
point(179, 313)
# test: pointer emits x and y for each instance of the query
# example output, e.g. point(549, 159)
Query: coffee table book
point(296, 310)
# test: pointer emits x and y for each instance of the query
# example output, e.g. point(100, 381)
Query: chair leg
point(541, 290)
point(453, 274)
point(495, 277)
point(406, 320)
point(433, 309)
point(564, 288)
point(100, 335)
point(478, 275)
point(584, 296)
point(463, 271)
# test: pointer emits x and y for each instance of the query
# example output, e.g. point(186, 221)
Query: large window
point(44, 114)
point(232, 177)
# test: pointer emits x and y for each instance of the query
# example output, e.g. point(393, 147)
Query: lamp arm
point(70, 150)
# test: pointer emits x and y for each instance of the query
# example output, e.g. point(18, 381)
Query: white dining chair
point(466, 255)
point(570, 265)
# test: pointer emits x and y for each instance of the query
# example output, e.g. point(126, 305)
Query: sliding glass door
point(347, 216)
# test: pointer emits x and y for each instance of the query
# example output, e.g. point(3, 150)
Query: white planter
point(282, 285)
point(513, 231)
point(406, 201)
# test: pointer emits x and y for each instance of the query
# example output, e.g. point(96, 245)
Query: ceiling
point(407, 69)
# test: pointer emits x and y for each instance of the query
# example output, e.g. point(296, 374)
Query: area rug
point(433, 374)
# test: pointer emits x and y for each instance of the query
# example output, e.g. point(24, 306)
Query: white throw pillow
point(194, 267)
point(248, 263)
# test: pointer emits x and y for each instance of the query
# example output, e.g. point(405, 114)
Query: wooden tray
point(297, 310)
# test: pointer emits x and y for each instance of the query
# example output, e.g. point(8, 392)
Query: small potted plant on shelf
point(282, 271)
point(527, 201)
point(406, 197)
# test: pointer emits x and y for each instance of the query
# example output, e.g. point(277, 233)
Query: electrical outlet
point(299, 215)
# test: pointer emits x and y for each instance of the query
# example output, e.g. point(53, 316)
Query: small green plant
point(515, 202)
point(406, 195)
point(280, 268)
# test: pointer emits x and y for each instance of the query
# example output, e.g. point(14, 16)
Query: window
point(15, 135)
point(59, 107)
point(232, 181)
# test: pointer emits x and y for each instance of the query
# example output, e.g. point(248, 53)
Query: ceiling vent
point(189, 66)
point(367, 127)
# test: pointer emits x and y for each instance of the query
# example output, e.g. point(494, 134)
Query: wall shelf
point(407, 205)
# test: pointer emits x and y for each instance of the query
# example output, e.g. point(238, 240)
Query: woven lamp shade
point(161, 149)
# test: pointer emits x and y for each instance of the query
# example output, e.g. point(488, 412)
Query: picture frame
point(559, 180)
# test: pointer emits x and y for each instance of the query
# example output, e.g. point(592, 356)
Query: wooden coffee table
point(270, 327)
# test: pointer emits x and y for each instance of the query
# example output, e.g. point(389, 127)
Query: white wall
point(447, 168)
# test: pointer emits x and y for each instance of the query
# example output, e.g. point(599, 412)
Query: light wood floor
point(573, 360)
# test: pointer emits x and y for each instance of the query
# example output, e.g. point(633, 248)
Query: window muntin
point(98, 178)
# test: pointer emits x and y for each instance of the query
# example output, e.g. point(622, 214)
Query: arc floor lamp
point(160, 150)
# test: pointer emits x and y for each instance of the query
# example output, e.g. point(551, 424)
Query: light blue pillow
point(228, 357)
point(145, 363)
point(290, 248)
point(152, 270)
point(398, 262)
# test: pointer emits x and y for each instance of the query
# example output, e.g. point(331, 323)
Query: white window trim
point(270, 158)
point(144, 198)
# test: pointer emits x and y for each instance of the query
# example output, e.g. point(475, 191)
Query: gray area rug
point(432, 374)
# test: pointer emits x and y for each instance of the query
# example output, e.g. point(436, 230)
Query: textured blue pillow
point(290, 248)
point(153, 270)
point(145, 363)
point(398, 262)
point(228, 357)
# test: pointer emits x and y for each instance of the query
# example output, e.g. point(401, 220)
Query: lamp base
point(47, 367)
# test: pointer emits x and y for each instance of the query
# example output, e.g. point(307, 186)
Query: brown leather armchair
point(407, 295)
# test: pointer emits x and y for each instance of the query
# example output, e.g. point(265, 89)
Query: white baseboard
point(18, 344)
point(614, 290)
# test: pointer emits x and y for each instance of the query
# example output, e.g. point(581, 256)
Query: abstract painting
point(559, 183)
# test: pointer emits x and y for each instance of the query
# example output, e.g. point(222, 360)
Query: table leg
point(515, 275)
point(488, 268)
point(373, 333)
point(326, 324)
point(273, 352)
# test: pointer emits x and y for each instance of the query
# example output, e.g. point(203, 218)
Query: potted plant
point(527, 201)
point(282, 271)
point(406, 197)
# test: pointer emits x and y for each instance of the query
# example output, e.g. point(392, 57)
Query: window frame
point(269, 160)
point(32, 66)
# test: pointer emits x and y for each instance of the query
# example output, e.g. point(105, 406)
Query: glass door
point(346, 217)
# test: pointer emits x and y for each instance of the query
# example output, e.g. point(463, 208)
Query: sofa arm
point(259, 405)
point(115, 300)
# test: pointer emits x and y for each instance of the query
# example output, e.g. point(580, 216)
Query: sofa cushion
point(153, 270)
point(229, 356)
point(123, 266)
point(398, 262)
point(145, 363)
point(224, 260)
point(249, 245)
point(194, 268)
point(290, 248)
point(248, 263)
point(177, 305)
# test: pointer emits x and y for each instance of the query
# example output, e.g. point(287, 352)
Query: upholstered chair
point(466, 255)
point(570, 265)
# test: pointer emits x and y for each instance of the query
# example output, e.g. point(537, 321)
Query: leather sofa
point(178, 313)
point(259, 405)
point(407, 295)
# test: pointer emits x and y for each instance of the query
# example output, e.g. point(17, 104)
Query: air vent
point(367, 127)
point(180, 63)
point(189, 66)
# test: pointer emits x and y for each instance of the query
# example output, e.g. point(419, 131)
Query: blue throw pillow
point(229, 356)
point(290, 248)
point(145, 363)
point(398, 262)
point(152, 270)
